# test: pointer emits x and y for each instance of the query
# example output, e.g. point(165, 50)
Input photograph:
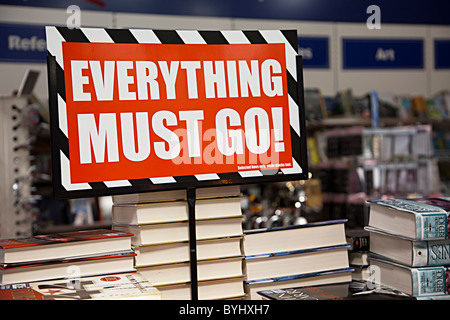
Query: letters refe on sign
point(144, 110)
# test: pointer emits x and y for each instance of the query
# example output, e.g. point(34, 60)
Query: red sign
point(153, 110)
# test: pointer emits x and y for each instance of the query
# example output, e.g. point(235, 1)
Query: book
point(361, 272)
point(310, 279)
point(211, 269)
point(354, 290)
point(358, 253)
point(180, 251)
point(63, 245)
point(418, 282)
point(201, 193)
point(121, 286)
point(358, 239)
point(179, 231)
point(230, 288)
point(290, 238)
point(359, 258)
point(413, 253)
point(419, 106)
point(62, 268)
point(282, 264)
point(315, 108)
point(418, 219)
point(168, 211)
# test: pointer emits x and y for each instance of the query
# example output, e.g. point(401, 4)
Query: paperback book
point(119, 286)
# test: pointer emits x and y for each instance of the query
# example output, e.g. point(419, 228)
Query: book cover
point(297, 237)
point(103, 287)
point(19, 291)
point(354, 290)
point(298, 280)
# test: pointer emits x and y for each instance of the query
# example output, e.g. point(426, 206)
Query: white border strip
point(97, 35)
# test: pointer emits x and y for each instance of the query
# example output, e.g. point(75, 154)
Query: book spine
point(358, 243)
point(429, 281)
point(437, 253)
point(431, 226)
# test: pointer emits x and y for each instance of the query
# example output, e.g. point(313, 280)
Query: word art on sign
point(218, 108)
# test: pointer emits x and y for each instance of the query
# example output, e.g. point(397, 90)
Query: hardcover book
point(419, 282)
point(180, 251)
point(179, 231)
point(63, 245)
point(252, 287)
point(229, 288)
point(170, 195)
point(290, 238)
point(60, 268)
point(170, 211)
point(418, 219)
point(281, 264)
point(180, 272)
point(413, 253)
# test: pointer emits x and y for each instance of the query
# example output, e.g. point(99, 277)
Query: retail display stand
point(124, 123)
point(190, 196)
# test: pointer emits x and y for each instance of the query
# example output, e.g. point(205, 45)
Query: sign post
point(149, 110)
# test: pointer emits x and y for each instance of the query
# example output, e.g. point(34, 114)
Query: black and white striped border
point(57, 35)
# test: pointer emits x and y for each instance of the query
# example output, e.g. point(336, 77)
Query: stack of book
point(65, 255)
point(160, 224)
point(300, 255)
point(410, 246)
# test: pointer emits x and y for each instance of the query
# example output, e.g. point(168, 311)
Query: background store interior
point(402, 151)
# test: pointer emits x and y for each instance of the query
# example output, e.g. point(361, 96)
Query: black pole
point(190, 195)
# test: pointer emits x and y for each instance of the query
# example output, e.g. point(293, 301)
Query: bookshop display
point(286, 195)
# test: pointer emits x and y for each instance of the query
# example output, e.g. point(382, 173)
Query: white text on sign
point(240, 78)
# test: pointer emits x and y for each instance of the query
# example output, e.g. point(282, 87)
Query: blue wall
point(393, 11)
